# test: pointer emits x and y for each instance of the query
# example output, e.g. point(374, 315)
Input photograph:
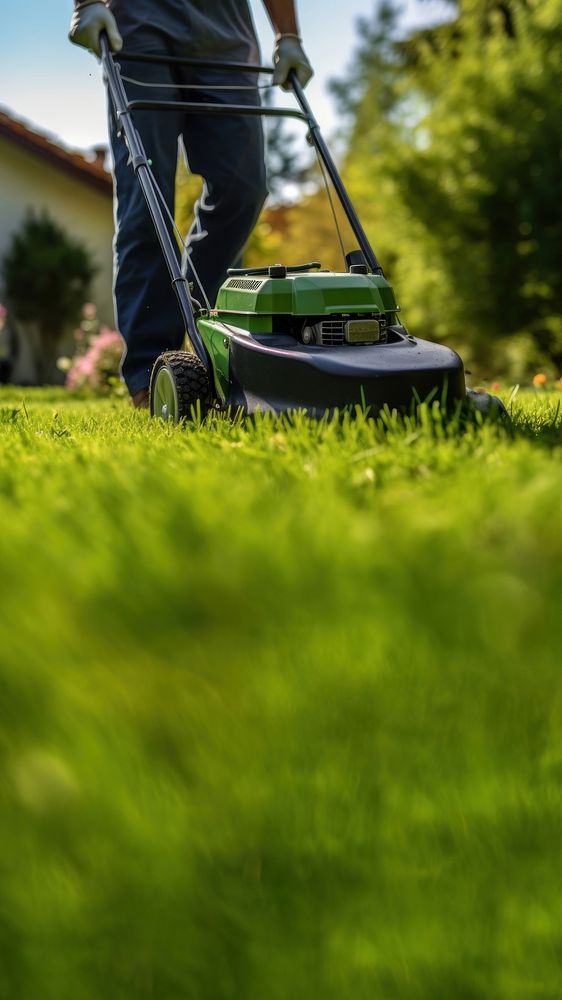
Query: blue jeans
point(228, 152)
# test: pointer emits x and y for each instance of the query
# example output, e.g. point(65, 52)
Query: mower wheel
point(179, 387)
point(487, 404)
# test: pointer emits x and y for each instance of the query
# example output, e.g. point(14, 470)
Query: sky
point(57, 86)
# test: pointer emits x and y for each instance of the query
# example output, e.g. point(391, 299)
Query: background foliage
point(456, 145)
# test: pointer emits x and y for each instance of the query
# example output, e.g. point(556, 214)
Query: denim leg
point(146, 308)
point(228, 152)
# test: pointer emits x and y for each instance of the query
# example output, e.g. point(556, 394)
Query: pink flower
point(98, 365)
point(89, 310)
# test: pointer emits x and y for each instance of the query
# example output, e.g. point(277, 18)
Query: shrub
point(95, 365)
point(98, 368)
point(47, 277)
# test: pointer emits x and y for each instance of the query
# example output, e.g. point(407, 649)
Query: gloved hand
point(90, 18)
point(289, 54)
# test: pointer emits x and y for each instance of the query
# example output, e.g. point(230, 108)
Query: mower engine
point(370, 328)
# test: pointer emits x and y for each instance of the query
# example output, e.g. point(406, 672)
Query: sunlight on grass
point(281, 705)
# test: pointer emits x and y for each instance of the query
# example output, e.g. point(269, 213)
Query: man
point(227, 151)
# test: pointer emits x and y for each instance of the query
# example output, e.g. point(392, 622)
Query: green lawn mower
point(285, 337)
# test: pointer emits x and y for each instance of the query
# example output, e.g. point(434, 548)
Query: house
point(37, 172)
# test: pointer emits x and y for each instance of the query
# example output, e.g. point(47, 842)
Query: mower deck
point(276, 373)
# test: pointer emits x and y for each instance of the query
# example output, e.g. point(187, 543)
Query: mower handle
point(195, 63)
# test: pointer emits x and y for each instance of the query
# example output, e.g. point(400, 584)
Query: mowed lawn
point(281, 706)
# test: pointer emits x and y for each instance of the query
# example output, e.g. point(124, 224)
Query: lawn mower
point(289, 336)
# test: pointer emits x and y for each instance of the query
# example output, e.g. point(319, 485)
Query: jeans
point(228, 152)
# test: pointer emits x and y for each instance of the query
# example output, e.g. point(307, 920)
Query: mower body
point(318, 342)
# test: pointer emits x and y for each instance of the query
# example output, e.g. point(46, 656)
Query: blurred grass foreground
point(281, 706)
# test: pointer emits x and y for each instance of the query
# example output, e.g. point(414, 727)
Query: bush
point(47, 277)
point(95, 365)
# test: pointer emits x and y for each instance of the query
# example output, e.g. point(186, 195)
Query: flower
point(89, 310)
point(496, 386)
point(98, 367)
point(539, 379)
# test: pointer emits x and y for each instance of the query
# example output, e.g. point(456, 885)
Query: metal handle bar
point(200, 108)
point(196, 63)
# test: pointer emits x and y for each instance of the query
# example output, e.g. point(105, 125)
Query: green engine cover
point(257, 300)
point(252, 305)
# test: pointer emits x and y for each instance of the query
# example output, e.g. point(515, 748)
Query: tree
point(47, 277)
point(454, 158)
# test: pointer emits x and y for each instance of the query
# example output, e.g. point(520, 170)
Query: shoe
point(140, 399)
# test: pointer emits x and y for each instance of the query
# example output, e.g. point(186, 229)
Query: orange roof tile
point(21, 134)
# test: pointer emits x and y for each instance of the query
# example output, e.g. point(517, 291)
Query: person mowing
point(228, 152)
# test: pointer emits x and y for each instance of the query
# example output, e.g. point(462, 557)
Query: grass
point(281, 706)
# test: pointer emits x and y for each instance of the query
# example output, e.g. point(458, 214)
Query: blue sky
point(57, 86)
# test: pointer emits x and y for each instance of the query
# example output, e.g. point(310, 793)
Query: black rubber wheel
point(483, 402)
point(179, 387)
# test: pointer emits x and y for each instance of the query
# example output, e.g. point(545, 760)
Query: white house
point(38, 173)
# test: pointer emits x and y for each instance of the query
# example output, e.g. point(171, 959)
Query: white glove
point(289, 54)
point(90, 18)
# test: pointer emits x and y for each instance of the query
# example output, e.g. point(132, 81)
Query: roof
point(46, 148)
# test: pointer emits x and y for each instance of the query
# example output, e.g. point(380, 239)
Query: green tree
point(47, 277)
point(455, 161)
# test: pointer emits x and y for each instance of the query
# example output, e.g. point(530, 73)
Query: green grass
point(281, 706)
